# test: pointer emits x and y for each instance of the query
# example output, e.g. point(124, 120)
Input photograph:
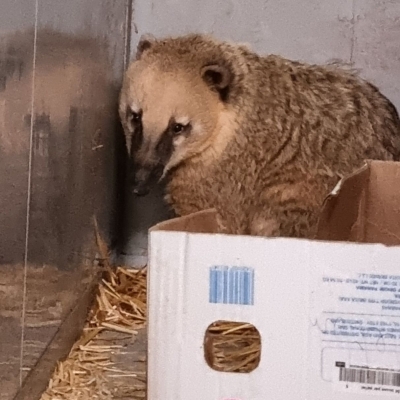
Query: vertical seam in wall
point(28, 200)
point(128, 32)
point(353, 29)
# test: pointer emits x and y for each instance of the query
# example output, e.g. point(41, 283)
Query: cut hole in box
point(232, 346)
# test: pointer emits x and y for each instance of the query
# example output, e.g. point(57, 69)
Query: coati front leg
point(298, 222)
point(294, 212)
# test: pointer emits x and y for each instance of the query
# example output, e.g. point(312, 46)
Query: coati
point(261, 139)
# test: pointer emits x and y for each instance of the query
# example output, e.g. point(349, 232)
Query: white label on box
point(368, 370)
point(358, 323)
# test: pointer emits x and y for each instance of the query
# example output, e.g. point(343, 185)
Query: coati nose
point(140, 190)
point(140, 181)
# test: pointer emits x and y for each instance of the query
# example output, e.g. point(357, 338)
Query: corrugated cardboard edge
point(342, 212)
point(381, 222)
point(205, 221)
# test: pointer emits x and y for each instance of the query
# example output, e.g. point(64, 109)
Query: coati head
point(172, 103)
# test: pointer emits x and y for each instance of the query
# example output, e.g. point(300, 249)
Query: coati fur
point(261, 139)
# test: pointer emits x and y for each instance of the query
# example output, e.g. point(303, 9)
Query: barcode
point(368, 376)
point(231, 285)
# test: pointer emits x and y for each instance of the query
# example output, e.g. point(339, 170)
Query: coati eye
point(178, 128)
point(135, 117)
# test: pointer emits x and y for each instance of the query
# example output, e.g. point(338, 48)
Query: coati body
point(261, 139)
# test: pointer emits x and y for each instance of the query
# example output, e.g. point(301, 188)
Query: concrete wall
point(365, 32)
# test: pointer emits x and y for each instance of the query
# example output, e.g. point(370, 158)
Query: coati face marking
point(170, 112)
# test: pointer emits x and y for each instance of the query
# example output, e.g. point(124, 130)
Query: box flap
point(382, 205)
point(200, 222)
point(341, 211)
point(364, 207)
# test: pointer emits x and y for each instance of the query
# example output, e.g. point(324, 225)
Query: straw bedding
point(92, 370)
point(96, 368)
point(232, 346)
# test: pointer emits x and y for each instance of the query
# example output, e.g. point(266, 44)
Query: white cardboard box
point(323, 308)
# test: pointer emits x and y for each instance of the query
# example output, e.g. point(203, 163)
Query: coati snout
point(170, 115)
point(150, 154)
point(140, 180)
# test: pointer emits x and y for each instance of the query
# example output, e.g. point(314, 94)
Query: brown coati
point(261, 139)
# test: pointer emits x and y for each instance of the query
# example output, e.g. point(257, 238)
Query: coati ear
point(145, 42)
point(218, 77)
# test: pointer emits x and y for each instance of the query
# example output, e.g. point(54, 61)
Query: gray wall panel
point(16, 16)
point(313, 30)
point(377, 44)
point(15, 100)
point(61, 155)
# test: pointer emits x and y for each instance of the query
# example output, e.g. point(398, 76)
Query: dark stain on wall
point(77, 166)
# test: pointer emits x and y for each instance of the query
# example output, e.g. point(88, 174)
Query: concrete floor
point(133, 359)
point(43, 316)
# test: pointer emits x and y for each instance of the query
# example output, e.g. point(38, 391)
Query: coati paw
point(265, 227)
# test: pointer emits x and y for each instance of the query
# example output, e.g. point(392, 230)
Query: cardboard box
point(328, 311)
